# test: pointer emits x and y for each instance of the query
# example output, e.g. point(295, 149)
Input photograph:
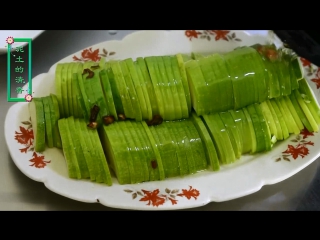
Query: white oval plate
point(244, 177)
point(4, 34)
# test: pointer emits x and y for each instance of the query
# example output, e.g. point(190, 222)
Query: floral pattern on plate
point(225, 35)
point(312, 71)
point(299, 149)
point(26, 137)
point(155, 198)
point(90, 55)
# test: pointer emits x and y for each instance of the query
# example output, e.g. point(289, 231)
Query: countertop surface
point(301, 192)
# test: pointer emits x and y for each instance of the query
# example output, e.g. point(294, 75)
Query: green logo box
point(24, 40)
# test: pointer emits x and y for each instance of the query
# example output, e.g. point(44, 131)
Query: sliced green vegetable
point(210, 150)
point(37, 116)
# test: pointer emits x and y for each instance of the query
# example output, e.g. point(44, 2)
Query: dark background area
point(306, 43)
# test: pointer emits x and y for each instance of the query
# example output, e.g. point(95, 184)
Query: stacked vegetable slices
point(171, 86)
point(261, 72)
point(257, 127)
point(81, 147)
point(139, 153)
point(44, 112)
point(83, 151)
point(244, 102)
point(138, 89)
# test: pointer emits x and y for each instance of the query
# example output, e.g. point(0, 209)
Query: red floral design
point(192, 34)
point(152, 197)
point(89, 55)
point(305, 133)
point(305, 62)
point(26, 137)
point(155, 198)
point(38, 161)
point(301, 149)
point(189, 193)
point(173, 201)
point(207, 34)
point(24, 150)
point(220, 34)
point(310, 70)
point(316, 80)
